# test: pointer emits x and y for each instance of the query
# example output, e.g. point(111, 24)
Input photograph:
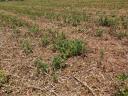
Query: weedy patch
point(57, 63)
point(34, 30)
point(122, 92)
point(74, 20)
point(55, 77)
point(3, 78)
point(121, 35)
point(41, 65)
point(122, 77)
point(70, 48)
point(99, 33)
point(45, 40)
point(107, 21)
point(16, 32)
point(12, 21)
point(124, 22)
point(26, 46)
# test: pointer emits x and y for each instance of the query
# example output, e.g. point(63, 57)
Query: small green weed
point(26, 46)
point(44, 40)
point(105, 21)
point(123, 77)
point(122, 92)
point(124, 22)
point(34, 29)
point(55, 77)
point(41, 66)
point(121, 35)
point(3, 77)
point(99, 33)
point(57, 63)
point(70, 48)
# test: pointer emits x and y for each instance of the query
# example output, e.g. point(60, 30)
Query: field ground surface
point(64, 48)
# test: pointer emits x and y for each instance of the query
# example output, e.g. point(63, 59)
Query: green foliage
point(44, 40)
point(74, 20)
point(101, 56)
point(99, 33)
point(55, 77)
point(41, 66)
point(124, 22)
point(105, 21)
point(122, 92)
point(57, 62)
point(123, 77)
point(121, 35)
point(3, 77)
point(70, 48)
point(26, 46)
point(34, 29)
point(12, 21)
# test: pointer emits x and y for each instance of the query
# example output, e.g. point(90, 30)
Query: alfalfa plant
point(3, 77)
point(122, 92)
point(124, 22)
point(34, 30)
point(57, 63)
point(69, 48)
point(26, 46)
point(16, 32)
point(41, 65)
point(45, 40)
point(101, 57)
point(121, 35)
point(122, 77)
point(99, 33)
point(55, 77)
point(107, 21)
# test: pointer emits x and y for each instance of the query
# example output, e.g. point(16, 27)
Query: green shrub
point(41, 66)
point(26, 46)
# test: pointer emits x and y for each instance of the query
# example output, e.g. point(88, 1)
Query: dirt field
point(64, 48)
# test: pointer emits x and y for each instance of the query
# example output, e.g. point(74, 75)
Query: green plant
point(74, 19)
point(124, 22)
point(26, 46)
point(16, 32)
point(99, 33)
point(122, 92)
point(3, 77)
point(70, 47)
point(55, 77)
point(121, 35)
point(57, 62)
point(34, 29)
point(105, 21)
point(123, 77)
point(101, 56)
point(44, 40)
point(41, 66)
